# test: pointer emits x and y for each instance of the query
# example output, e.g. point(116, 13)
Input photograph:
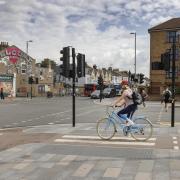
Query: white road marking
point(175, 142)
point(50, 123)
point(21, 166)
point(1, 134)
point(67, 160)
point(83, 170)
point(112, 172)
point(98, 138)
point(132, 143)
point(176, 147)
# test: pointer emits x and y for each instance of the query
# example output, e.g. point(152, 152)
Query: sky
point(100, 29)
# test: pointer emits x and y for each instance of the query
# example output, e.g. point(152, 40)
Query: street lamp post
point(27, 46)
point(135, 52)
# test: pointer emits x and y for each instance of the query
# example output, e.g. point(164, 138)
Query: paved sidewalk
point(51, 160)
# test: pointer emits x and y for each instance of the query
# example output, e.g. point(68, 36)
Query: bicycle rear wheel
point(142, 129)
point(105, 128)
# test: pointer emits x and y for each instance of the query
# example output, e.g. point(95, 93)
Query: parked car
point(109, 92)
point(95, 94)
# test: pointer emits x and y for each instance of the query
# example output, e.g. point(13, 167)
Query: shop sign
point(6, 78)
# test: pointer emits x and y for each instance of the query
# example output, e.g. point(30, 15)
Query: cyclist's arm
point(119, 102)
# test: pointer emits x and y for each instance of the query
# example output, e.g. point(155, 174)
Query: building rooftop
point(172, 24)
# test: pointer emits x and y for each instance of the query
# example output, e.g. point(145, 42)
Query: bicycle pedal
point(125, 131)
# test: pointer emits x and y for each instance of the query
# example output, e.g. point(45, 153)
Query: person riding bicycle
point(129, 106)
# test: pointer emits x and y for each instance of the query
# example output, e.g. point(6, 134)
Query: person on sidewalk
point(144, 96)
point(2, 93)
point(166, 97)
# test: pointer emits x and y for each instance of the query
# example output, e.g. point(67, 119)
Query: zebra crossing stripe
point(112, 172)
point(132, 143)
point(67, 160)
point(98, 138)
point(83, 170)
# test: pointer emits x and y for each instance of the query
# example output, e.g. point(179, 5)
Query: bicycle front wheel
point(142, 129)
point(105, 128)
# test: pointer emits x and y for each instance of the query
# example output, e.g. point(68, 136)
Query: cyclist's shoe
point(129, 122)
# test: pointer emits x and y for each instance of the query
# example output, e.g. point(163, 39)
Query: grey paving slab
point(146, 166)
point(41, 160)
point(161, 175)
point(174, 174)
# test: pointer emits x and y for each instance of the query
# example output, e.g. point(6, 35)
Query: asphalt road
point(60, 150)
point(43, 111)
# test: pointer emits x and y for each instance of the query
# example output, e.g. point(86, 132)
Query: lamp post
point(135, 52)
point(27, 46)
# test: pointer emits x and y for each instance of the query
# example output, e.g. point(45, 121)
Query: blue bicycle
point(106, 128)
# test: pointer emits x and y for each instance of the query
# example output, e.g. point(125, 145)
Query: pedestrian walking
point(2, 93)
point(101, 95)
point(144, 96)
point(166, 97)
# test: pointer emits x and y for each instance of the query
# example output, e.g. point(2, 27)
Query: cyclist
point(126, 100)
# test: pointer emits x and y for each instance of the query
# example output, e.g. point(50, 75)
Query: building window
point(171, 35)
point(176, 54)
point(156, 66)
point(23, 68)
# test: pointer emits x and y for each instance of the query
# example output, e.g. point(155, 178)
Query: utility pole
point(173, 80)
point(134, 52)
point(74, 80)
point(27, 46)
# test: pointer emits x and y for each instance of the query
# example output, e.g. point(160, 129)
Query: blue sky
point(98, 28)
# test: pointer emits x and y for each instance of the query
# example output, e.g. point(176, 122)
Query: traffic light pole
point(31, 90)
point(73, 93)
point(173, 82)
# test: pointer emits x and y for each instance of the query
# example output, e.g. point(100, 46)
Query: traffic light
point(66, 61)
point(61, 69)
point(132, 77)
point(141, 78)
point(100, 80)
point(80, 65)
point(30, 80)
point(165, 61)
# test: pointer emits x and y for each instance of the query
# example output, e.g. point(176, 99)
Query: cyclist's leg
point(126, 110)
point(133, 109)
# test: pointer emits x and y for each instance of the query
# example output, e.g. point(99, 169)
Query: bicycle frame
point(114, 118)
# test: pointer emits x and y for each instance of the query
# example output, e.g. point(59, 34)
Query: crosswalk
point(95, 140)
point(76, 167)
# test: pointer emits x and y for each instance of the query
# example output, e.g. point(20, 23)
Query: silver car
point(95, 94)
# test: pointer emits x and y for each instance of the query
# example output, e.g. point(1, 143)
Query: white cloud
point(160, 19)
point(98, 28)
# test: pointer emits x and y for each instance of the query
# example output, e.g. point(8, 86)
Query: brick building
point(161, 39)
point(15, 68)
